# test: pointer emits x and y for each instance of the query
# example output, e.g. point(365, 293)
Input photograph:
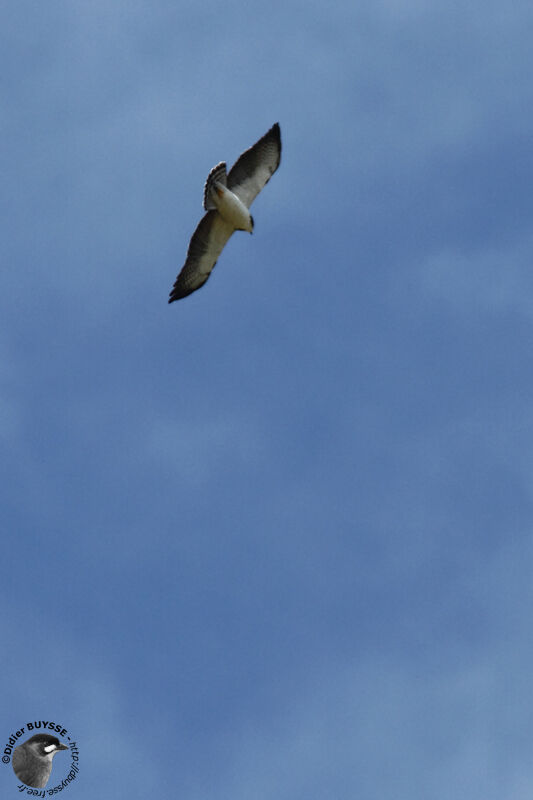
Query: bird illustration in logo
point(32, 760)
point(227, 198)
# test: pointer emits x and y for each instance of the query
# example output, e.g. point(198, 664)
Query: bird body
point(218, 197)
point(227, 198)
point(231, 208)
point(32, 760)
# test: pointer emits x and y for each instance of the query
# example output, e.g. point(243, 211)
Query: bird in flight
point(227, 198)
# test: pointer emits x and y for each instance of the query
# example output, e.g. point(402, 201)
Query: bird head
point(45, 745)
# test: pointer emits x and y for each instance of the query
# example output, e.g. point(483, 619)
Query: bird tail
point(217, 174)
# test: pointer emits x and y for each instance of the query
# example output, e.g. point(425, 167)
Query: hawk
point(227, 198)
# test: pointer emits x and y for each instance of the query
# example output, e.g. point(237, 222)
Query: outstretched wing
point(254, 168)
point(206, 245)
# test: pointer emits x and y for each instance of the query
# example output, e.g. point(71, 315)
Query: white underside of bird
point(230, 208)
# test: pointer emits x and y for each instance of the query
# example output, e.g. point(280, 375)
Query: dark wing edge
point(207, 243)
point(254, 168)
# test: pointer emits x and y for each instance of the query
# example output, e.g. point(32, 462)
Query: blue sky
point(273, 540)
